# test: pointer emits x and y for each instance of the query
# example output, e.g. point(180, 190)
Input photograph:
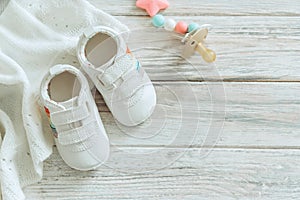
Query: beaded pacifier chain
point(194, 34)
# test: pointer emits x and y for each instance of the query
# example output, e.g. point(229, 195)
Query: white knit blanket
point(34, 35)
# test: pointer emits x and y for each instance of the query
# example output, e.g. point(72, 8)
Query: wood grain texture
point(254, 41)
point(248, 102)
point(248, 49)
point(207, 7)
point(247, 115)
point(223, 174)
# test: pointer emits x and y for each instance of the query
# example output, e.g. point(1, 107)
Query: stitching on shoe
point(134, 99)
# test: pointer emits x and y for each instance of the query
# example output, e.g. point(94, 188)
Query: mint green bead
point(192, 27)
point(158, 20)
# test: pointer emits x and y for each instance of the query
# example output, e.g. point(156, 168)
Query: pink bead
point(181, 27)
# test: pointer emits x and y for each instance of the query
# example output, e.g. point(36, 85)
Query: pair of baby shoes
point(66, 96)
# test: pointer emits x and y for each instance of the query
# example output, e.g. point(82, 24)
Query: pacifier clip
point(194, 34)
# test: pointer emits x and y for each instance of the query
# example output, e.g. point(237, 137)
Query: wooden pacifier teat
point(194, 42)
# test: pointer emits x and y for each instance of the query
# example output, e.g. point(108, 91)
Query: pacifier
point(194, 41)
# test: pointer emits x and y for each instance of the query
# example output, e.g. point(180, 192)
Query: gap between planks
point(253, 115)
point(229, 174)
point(215, 147)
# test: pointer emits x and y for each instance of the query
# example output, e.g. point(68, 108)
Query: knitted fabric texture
point(34, 35)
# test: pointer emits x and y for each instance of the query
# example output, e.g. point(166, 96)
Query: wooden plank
point(248, 49)
point(251, 115)
point(223, 174)
point(207, 7)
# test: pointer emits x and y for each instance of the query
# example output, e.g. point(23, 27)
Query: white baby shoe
point(78, 130)
point(117, 74)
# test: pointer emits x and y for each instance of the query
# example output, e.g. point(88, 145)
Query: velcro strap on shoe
point(69, 116)
point(82, 146)
point(120, 67)
point(134, 81)
point(79, 134)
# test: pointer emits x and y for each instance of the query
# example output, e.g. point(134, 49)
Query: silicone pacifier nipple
point(207, 54)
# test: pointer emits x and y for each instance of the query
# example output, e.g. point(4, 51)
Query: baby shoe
point(117, 74)
point(74, 119)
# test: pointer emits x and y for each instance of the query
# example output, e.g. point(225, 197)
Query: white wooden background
point(257, 154)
